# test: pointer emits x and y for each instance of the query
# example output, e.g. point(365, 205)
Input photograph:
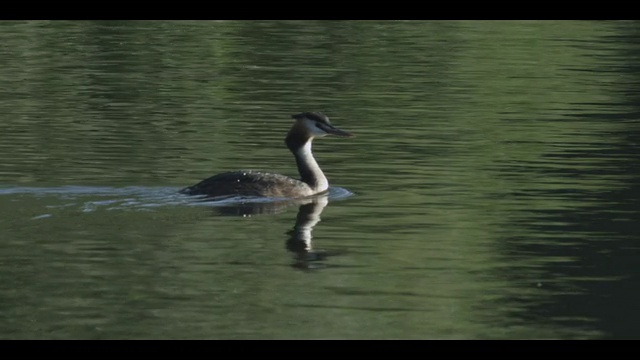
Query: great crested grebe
point(307, 126)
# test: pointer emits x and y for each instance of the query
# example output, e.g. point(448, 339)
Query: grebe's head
point(316, 124)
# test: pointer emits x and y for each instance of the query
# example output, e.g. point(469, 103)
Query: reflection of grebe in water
point(308, 125)
point(299, 240)
point(300, 236)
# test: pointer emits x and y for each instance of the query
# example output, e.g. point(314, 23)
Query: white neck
point(309, 170)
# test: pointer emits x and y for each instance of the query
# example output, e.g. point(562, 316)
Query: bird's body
point(256, 183)
point(250, 183)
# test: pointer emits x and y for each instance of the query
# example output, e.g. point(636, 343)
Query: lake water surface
point(491, 192)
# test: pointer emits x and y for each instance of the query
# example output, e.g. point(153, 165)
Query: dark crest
point(315, 116)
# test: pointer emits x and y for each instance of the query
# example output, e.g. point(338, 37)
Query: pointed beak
point(332, 130)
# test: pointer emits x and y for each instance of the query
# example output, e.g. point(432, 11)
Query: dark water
point(491, 192)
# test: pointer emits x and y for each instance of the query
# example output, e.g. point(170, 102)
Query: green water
point(491, 191)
